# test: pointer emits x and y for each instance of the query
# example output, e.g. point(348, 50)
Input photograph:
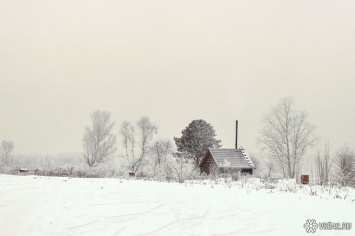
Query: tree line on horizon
point(286, 138)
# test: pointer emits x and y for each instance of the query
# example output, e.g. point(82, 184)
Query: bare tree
point(287, 135)
point(146, 131)
point(6, 153)
point(160, 149)
point(128, 139)
point(345, 161)
point(323, 163)
point(98, 141)
point(270, 167)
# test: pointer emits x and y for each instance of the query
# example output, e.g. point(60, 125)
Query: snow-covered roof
point(230, 157)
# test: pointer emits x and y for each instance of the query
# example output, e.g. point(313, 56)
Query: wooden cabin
point(226, 160)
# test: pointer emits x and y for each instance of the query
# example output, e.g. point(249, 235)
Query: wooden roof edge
point(247, 158)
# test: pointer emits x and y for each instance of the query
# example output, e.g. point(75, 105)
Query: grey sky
point(173, 61)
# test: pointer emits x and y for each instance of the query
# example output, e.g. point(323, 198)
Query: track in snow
point(60, 206)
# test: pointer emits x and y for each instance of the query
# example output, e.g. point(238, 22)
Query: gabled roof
point(230, 158)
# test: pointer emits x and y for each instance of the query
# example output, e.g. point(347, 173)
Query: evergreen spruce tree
point(196, 138)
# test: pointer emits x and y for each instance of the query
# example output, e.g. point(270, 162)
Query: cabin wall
point(213, 169)
point(207, 165)
point(229, 171)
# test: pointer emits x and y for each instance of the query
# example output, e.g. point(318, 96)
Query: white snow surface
point(37, 205)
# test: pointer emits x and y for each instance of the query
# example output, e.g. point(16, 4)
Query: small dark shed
point(226, 160)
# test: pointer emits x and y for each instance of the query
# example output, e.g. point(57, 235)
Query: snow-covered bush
point(12, 170)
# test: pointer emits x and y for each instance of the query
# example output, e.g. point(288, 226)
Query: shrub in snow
point(269, 185)
point(312, 191)
point(8, 170)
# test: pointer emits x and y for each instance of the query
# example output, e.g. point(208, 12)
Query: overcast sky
point(173, 61)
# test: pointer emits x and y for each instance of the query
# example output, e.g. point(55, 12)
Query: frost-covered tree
point(323, 165)
point(257, 164)
point(196, 138)
point(345, 161)
point(128, 135)
point(6, 152)
point(287, 135)
point(180, 168)
point(98, 141)
point(134, 154)
point(160, 150)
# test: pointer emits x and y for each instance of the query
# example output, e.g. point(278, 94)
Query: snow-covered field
point(34, 205)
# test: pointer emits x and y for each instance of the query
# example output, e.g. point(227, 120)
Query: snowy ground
point(34, 205)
